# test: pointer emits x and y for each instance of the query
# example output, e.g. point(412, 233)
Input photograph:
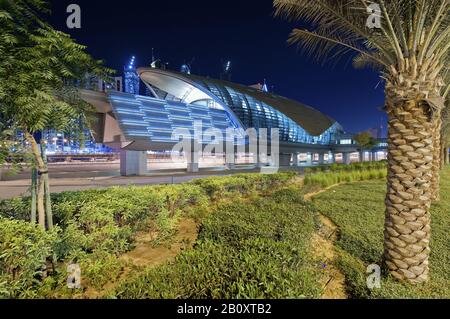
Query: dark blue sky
point(243, 31)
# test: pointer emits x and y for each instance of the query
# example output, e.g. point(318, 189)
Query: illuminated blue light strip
point(159, 118)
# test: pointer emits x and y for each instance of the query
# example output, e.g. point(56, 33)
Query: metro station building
point(136, 124)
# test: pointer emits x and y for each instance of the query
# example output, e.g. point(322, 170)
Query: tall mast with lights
point(131, 77)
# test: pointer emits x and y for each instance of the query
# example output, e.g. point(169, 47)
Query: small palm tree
point(408, 42)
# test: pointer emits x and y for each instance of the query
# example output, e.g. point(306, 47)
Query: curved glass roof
point(254, 109)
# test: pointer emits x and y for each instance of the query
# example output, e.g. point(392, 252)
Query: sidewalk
point(17, 188)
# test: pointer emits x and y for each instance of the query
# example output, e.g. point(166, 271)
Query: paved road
point(82, 176)
point(76, 170)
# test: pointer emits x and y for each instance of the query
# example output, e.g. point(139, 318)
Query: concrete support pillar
point(133, 163)
point(295, 160)
point(309, 159)
point(193, 160)
point(331, 159)
point(346, 158)
point(285, 160)
point(321, 158)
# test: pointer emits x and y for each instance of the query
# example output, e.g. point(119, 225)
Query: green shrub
point(243, 184)
point(17, 208)
point(24, 250)
point(96, 226)
point(99, 269)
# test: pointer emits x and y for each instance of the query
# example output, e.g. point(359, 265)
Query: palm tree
point(407, 41)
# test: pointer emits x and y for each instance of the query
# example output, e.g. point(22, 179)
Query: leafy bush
point(255, 249)
point(24, 250)
point(17, 208)
point(243, 184)
point(96, 226)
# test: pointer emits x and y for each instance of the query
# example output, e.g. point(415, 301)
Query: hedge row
point(329, 179)
point(336, 168)
point(96, 226)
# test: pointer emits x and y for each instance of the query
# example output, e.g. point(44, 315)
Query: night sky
point(243, 31)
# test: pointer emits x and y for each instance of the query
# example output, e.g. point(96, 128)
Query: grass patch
point(358, 210)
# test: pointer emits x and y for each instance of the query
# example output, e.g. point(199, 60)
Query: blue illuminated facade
point(147, 118)
point(182, 101)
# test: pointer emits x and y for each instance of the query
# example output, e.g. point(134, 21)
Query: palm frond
point(413, 39)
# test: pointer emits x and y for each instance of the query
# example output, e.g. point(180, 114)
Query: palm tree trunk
point(447, 156)
point(408, 200)
point(435, 181)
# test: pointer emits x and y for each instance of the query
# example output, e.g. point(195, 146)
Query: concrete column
point(346, 157)
point(309, 159)
point(133, 163)
point(331, 159)
point(193, 162)
point(321, 158)
point(295, 161)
